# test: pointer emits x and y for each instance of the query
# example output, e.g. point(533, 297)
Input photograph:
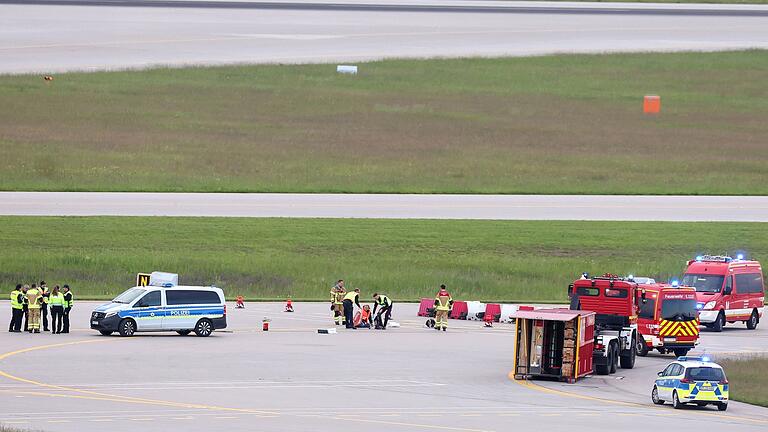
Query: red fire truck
point(667, 319)
point(614, 301)
point(727, 290)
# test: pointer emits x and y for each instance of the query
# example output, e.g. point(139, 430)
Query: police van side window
point(190, 297)
point(149, 300)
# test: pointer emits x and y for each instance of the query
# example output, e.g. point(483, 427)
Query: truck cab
point(728, 290)
point(614, 301)
point(667, 320)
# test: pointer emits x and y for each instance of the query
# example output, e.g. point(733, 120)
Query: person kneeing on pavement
point(351, 299)
point(385, 311)
point(443, 304)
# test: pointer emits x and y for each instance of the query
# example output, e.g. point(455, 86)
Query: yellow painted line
point(532, 386)
point(105, 396)
point(414, 425)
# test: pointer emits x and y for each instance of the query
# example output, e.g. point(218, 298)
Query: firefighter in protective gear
point(337, 302)
point(25, 306)
point(17, 310)
point(350, 299)
point(69, 301)
point(443, 304)
point(35, 300)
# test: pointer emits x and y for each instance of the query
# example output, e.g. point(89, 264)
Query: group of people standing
point(30, 304)
point(343, 305)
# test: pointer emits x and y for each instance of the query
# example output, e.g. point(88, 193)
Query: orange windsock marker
point(651, 104)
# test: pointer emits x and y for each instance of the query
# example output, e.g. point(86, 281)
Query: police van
point(163, 305)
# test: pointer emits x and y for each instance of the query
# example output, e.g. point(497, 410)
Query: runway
point(55, 36)
point(388, 206)
point(405, 379)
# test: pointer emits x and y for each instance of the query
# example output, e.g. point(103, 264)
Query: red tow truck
point(615, 303)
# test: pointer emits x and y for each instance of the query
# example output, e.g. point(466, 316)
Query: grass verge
point(747, 379)
point(302, 258)
point(555, 124)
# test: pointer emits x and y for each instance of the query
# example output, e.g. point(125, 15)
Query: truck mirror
point(660, 373)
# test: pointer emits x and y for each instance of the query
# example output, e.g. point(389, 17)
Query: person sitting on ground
point(365, 317)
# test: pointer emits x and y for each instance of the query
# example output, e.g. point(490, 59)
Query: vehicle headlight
point(110, 314)
point(709, 305)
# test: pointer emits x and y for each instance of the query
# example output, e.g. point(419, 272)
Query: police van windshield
point(705, 374)
point(678, 310)
point(704, 283)
point(129, 296)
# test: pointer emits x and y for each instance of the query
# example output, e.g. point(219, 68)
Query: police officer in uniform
point(380, 300)
point(350, 299)
point(56, 300)
point(44, 305)
point(17, 310)
point(69, 301)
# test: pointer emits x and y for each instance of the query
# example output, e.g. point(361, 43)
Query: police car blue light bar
point(694, 358)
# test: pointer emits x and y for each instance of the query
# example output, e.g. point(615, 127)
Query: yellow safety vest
point(56, 300)
point(15, 304)
point(351, 296)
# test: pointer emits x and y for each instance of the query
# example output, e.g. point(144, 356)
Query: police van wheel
point(722, 406)
point(655, 397)
point(105, 332)
point(203, 328)
point(676, 401)
point(184, 332)
point(752, 322)
point(127, 327)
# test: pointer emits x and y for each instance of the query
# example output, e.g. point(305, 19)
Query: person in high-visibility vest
point(381, 300)
point(69, 301)
point(350, 299)
point(56, 301)
point(17, 310)
point(45, 295)
point(443, 304)
point(35, 300)
point(337, 302)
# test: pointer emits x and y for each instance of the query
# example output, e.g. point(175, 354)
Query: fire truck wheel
point(675, 401)
point(614, 358)
point(719, 323)
point(752, 322)
point(655, 397)
point(628, 360)
point(642, 348)
point(679, 352)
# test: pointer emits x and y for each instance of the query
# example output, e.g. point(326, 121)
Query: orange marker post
point(651, 104)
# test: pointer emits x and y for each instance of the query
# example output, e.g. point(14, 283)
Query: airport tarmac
point(51, 36)
point(293, 379)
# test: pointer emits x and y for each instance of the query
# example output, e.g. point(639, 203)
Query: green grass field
point(302, 258)
point(747, 379)
point(555, 124)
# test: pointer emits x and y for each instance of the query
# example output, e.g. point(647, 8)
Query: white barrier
point(473, 308)
point(346, 69)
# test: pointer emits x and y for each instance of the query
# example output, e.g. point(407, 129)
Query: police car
point(695, 380)
point(163, 305)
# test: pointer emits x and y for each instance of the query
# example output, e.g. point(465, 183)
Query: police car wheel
point(655, 396)
point(203, 328)
point(752, 322)
point(676, 404)
point(127, 327)
point(722, 406)
point(105, 332)
point(184, 332)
